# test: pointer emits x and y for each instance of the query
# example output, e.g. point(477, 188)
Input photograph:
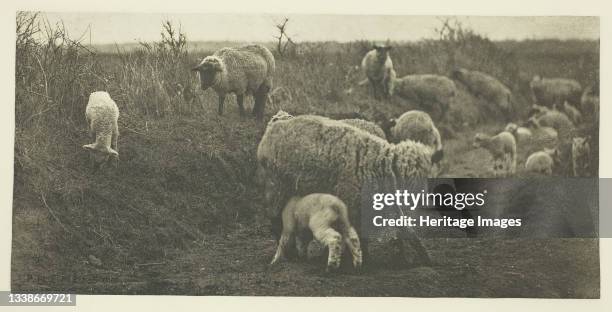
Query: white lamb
point(102, 115)
point(325, 217)
point(378, 67)
point(542, 162)
point(503, 149)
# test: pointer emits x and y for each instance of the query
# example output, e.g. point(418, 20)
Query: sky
point(134, 27)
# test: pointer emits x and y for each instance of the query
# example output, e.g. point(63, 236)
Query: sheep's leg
point(240, 101)
point(260, 101)
point(221, 101)
point(114, 139)
point(282, 246)
point(333, 241)
point(352, 241)
point(301, 244)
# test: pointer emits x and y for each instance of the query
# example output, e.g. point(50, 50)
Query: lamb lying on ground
point(325, 217)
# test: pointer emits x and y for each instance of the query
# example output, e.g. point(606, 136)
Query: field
point(181, 214)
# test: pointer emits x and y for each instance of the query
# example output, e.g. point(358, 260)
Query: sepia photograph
point(308, 155)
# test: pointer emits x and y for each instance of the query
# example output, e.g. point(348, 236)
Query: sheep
point(581, 155)
point(417, 126)
point(433, 93)
point(378, 68)
point(572, 112)
point(313, 154)
point(242, 71)
point(543, 136)
point(551, 92)
point(556, 120)
point(325, 217)
point(521, 134)
point(102, 115)
point(489, 88)
point(366, 126)
point(503, 149)
point(542, 162)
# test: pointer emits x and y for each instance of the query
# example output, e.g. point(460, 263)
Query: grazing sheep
point(521, 134)
point(366, 126)
point(589, 103)
point(417, 126)
point(556, 120)
point(503, 149)
point(551, 92)
point(325, 217)
point(581, 155)
point(313, 154)
point(102, 115)
point(433, 93)
point(489, 88)
point(378, 68)
point(279, 96)
point(242, 71)
point(542, 162)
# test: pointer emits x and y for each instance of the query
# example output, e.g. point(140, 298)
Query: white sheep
point(417, 126)
point(581, 156)
point(487, 87)
point(325, 217)
point(243, 71)
point(503, 149)
point(556, 120)
point(572, 112)
point(542, 162)
point(102, 115)
point(378, 68)
point(432, 93)
point(521, 134)
point(313, 154)
point(552, 92)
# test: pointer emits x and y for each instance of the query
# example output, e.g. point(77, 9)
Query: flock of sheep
point(313, 168)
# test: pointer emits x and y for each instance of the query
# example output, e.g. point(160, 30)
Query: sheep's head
point(382, 52)
point(100, 154)
point(554, 154)
point(209, 70)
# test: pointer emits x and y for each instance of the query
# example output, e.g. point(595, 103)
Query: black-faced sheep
point(487, 87)
point(102, 115)
point(552, 92)
point(542, 162)
point(503, 149)
point(242, 71)
point(378, 68)
point(433, 93)
point(325, 217)
point(312, 154)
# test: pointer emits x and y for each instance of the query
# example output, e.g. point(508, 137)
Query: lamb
point(542, 162)
point(313, 154)
point(552, 92)
point(378, 68)
point(581, 156)
point(489, 88)
point(433, 93)
point(242, 71)
point(503, 149)
point(325, 217)
point(543, 136)
point(102, 115)
point(521, 134)
point(366, 126)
